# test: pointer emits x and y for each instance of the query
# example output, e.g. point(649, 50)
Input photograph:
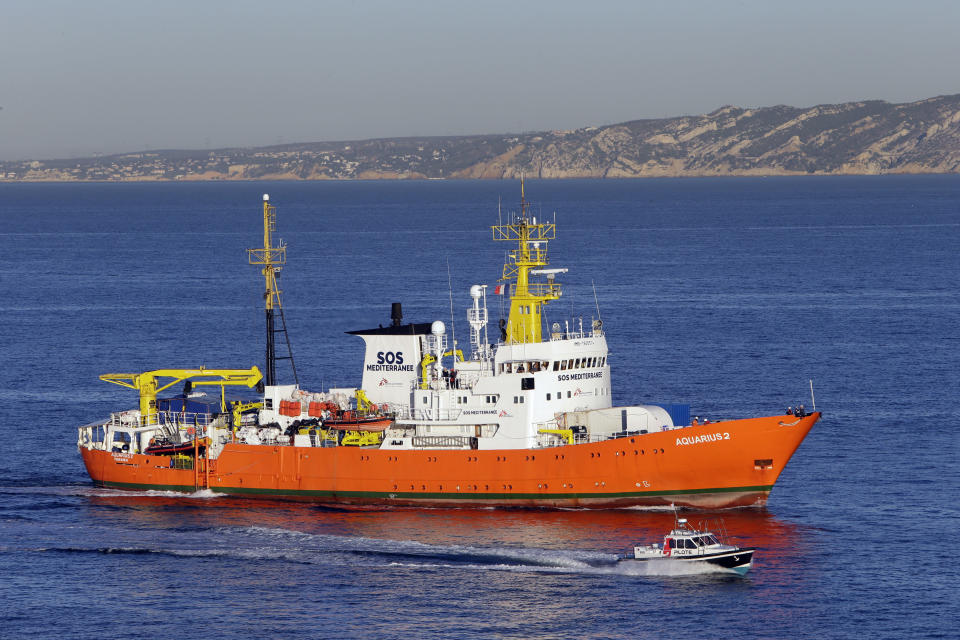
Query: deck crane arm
point(149, 383)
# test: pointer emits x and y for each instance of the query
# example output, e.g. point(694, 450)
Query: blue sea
point(729, 294)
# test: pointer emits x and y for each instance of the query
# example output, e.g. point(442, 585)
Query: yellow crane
point(149, 383)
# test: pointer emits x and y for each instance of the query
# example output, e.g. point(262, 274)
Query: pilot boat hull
point(739, 560)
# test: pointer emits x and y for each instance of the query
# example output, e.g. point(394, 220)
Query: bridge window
point(548, 396)
point(556, 365)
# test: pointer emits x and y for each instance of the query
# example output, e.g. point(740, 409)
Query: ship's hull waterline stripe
point(458, 497)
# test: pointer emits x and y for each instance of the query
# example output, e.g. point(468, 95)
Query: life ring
point(191, 431)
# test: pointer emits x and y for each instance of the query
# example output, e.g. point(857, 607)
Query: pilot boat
point(695, 545)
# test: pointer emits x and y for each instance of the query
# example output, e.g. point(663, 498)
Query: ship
point(521, 417)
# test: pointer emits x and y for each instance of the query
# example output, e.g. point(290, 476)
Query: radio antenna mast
point(596, 301)
point(453, 326)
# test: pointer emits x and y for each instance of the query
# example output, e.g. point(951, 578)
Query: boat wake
point(87, 491)
point(295, 547)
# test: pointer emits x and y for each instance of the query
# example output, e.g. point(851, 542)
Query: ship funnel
point(396, 314)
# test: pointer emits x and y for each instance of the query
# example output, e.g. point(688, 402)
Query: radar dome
point(438, 328)
point(476, 291)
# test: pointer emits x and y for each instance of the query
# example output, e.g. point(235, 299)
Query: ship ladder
point(201, 477)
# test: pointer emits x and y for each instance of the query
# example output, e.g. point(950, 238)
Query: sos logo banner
point(390, 361)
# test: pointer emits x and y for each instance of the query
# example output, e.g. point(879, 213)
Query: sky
point(79, 78)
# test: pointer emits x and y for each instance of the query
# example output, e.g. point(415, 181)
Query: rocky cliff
point(871, 137)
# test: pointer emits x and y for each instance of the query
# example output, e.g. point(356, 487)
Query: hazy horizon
point(105, 77)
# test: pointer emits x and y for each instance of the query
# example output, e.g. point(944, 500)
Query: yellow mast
point(527, 298)
point(272, 258)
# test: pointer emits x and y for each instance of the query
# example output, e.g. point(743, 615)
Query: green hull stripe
point(461, 497)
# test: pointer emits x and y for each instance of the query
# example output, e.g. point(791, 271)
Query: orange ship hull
point(723, 464)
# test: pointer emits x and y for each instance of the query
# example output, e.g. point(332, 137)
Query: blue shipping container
point(679, 413)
